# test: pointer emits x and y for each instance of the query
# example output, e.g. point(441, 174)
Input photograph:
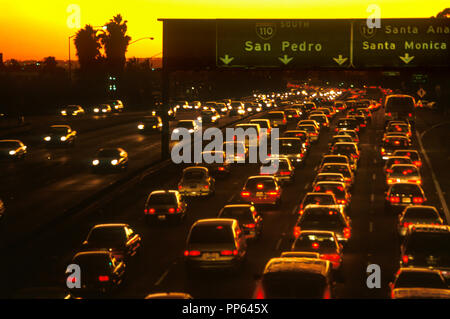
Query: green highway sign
point(283, 43)
point(402, 43)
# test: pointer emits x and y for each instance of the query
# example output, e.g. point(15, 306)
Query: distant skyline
point(32, 30)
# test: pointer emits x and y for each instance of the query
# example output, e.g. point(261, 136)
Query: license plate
point(161, 217)
point(211, 256)
point(259, 194)
point(406, 200)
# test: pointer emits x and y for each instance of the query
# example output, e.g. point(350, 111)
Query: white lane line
point(374, 176)
point(306, 186)
point(372, 197)
point(370, 227)
point(374, 160)
point(294, 210)
point(277, 247)
point(164, 275)
point(433, 176)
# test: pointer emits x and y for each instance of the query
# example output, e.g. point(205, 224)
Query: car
point(316, 198)
point(209, 116)
point(420, 293)
point(262, 190)
point(392, 144)
point(254, 134)
point(321, 119)
point(119, 239)
point(327, 218)
point(400, 195)
point(169, 295)
point(300, 254)
point(102, 109)
point(189, 125)
point(12, 149)
point(215, 243)
point(150, 124)
point(165, 205)
point(351, 133)
point(348, 149)
point(331, 177)
point(277, 119)
point(235, 151)
point(196, 181)
point(312, 131)
point(292, 148)
point(295, 278)
point(72, 110)
point(399, 128)
point(412, 154)
point(110, 157)
point(338, 189)
point(116, 105)
point(346, 124)
point(394, 160)
point(366, 113)
point(2, 209)
point(399, 107)
point(329, 113)
point(216, 162)
point(418, 215)
point(340, 106)
point(252, 107)
point(340, 168)
point(196, 105)
point(351, 104)
point(303, 135)
point(427, 246)
point(388, 135)
point(309, 122)
point(237, 108)
point(280, 167)
point(323, 242)
point(340, 138)
point(337, 159)
point(309, 106)
point(222, 108)
point(403, 173)
point(250, 221)
point(418, 278)
point(264, 125)
point(60, 135)
point(292, 115)
point(101, 273)
point(360, 118)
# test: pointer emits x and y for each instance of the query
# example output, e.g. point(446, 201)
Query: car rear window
point(293, 284)
point(105, 235)
point(429, 243)
point(315, 243)
point(337, 190)
point(262, 124)
point(412, 155)
point(404, 170)
point(321, 218)
point(344, 148)
point(277, 116)
point(406, 189)
point(398, 160)
point(207, 234)
point(415, 213)
point(329, 177)
point(307, 128)
point(162, 199)
point(336, 169)
point(194, 175)
point(252, 184)
point(399, 104)
point(239, 213)
point(318, 200)
point(395, 142)
point(416, 279)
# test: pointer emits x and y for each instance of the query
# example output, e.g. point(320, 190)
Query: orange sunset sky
point(32, 29)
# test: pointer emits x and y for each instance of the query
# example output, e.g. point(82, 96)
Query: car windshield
point(417, 279)
point(406, 189)
point(209, 234)
point(275, 116)
point(107, 235)
point(151, 120)
point(293, 284)
point(421, 213)
point(243, 214)
point(429, 243)
point(290, 146)
point(162, 199)
point(321, 199)
point(399, 104)
point(267, 183)
point(336, 169)
point(395, 142)
point(335, 159)
point(194, 175)
point(58, 130)
point(321, 218)
point(398, 160)
point(108, 153)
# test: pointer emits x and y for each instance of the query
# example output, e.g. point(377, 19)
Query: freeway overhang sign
point(283, 43)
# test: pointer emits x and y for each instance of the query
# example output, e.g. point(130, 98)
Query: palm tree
point(115, 42)
point(88, 48)
point(444, 13)
point(49, 64)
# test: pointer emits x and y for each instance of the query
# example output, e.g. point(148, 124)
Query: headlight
point(199, 118)
point(191, 130)
point(12, 152)
point(47, 138)
point(104, 110)
point(141, 126)
point(249, 109)
point(114, 162)
point(258, 109)
point(224, 109)
point(95, 162)
point(116, 107)
point(63, 112)
point(96, 110)
point(63, 138)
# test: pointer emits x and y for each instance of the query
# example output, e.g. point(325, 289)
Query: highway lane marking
point(306, 186)
point(374, 160)
point(277, 247)
point(164, 275)
point(374, 176)
point(370, 227)
point(433, 176)
point(372, 197)
point(294, 210)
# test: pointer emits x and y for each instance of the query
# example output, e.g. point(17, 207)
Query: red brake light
point(180, 187)
point(315, 245)
point(347, 232)
point(394, 199)
point(193, 253)
point(285, 173)
point(260, 186)
point(171, 210)
point(221, 168)
point(249, 225)
point(150, 211)
point(405, 259)
point(406, 224)
point(245, 194)
point(418, 200)
point(296, 231)
point(273, 193)
point(206, 186)
point(417, 163)
point(103, 278)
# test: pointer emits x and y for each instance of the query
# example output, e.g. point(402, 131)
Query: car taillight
point(388, 170)
point(410, 114)
point(296, 231)
point(205, 186)
point(389, 114)
point(417, 200)
point(417, 163)
point(103, 278)
point(313, 134)
point(285, 173)
point(341, 201)
point(417, 181)
point(180, 187)
point(394, 199)
point(334, 258)
point(260, 186)
point(245, 194)
point(149, 211)
point(390, 180)
point(406, 224)
point(221, 168)
point(363, 125)
point(347, 232)
point(193, 253)
point(347, 180)
point(273, 193)
point(250, 225)
point(229, 252)
point(171, 210)
point(405, 259)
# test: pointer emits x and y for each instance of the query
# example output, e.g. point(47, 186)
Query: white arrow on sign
point(339, 60)
point(226, 59)
point(285, 59)
point(406, 58)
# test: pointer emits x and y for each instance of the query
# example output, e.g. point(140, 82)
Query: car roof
point(429, 228)
point(195, 168)
point(261, 177)
point(417, 269)
point(215, 221)
point(403, 165)
point(238, 205)
point(169, 295)
point(421, 207)
point(315, 206)
point(92, 252)
point(309, 265)
point(65, 126)
point(170, 191)
point(16, 141)
point(110, 225)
